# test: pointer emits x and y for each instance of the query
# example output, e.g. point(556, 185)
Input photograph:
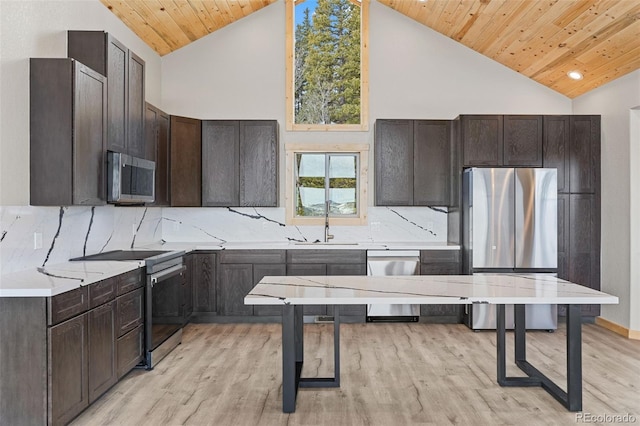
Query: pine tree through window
point(326, 81)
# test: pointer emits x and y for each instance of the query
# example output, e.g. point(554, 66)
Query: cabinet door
point(259, 163)
point(117, 101)
point(584, 154)
point(129, 350)
point(204, 282)
point(431, 163)
point(440, 262)
point(129, 311)
point(89, 133)
point(185, 162)
point(348, 269)
point(220, 163)
point(584, 244)
point(309, 269)
point(555, 148)
point(563, 236)
point(136, 106)
point(393, 152)
point(163, 147)
point(523, 140)
point(187, 296)
point(482, 141)
point(68, 381)
point(236, 281)
point(150, 132)
point(259, 272)
point(102, 350)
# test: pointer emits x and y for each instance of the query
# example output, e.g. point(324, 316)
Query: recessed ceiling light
point(575, 75)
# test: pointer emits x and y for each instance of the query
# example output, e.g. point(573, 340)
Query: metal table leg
point(293, 356)
point(572, 398)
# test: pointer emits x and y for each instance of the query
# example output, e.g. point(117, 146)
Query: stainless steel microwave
point(130, 180)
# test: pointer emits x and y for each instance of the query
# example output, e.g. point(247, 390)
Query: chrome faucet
point(327, 235)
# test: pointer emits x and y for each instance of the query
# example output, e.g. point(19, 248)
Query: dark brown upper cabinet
point(572, 145)
point(240, 163)
point(431, 162)
point(555, 145)
point(482, 137)
point(220, 163)
point(158, 147)
point(413, 162)
point(393, 150)
point(584, 170)
point(126, 96)
point(186, 164)
point(68, 102)
point(497, 140)
point(522, 140)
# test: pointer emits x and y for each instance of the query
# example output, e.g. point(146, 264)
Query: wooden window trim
point(290, 208)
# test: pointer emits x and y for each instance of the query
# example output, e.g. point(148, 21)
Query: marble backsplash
point(385, 224)
point(36, 236)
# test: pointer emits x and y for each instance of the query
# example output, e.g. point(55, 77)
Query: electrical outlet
point(37, 240)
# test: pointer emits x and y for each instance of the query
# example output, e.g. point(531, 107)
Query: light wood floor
point(392, 374)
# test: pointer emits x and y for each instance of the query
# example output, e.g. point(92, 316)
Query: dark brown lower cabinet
point(130, 311)
point(68, 382)
point(202, 272)
point(236, 280)
point(440, 262)
point(102, 353)
point(129, 350)
point(60, 353)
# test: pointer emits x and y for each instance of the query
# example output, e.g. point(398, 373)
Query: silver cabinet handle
point(167, 273)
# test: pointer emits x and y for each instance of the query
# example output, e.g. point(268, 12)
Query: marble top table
point(294, 292)
point(424, 290)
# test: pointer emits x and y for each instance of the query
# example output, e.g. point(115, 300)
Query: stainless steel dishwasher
point(393, 262)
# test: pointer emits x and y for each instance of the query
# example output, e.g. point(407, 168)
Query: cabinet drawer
point(129, 281)
point(66, 305)
point(129, 311)
point(326, 256)
point(129, 350)
point(439, 256)
point(252, 256)
point(102, 292)
point(440, 269)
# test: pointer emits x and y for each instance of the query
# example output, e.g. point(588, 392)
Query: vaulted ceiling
point(541, 39)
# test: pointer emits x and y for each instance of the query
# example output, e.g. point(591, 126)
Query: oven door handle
point(167, 273)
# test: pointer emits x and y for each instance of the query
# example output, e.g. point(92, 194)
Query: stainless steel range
point(164, 300)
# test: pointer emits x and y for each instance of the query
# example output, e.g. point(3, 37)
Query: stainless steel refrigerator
point(510, 225)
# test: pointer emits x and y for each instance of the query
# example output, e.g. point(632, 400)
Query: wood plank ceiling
point(541, 39)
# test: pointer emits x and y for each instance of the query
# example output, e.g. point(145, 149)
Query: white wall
point(238, 73)
point(620, 193)
point(38, 29)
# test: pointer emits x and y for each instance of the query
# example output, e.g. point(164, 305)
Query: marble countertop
point(423, 289)
point(286, 245)
point(59, 278)
point(51, 280)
